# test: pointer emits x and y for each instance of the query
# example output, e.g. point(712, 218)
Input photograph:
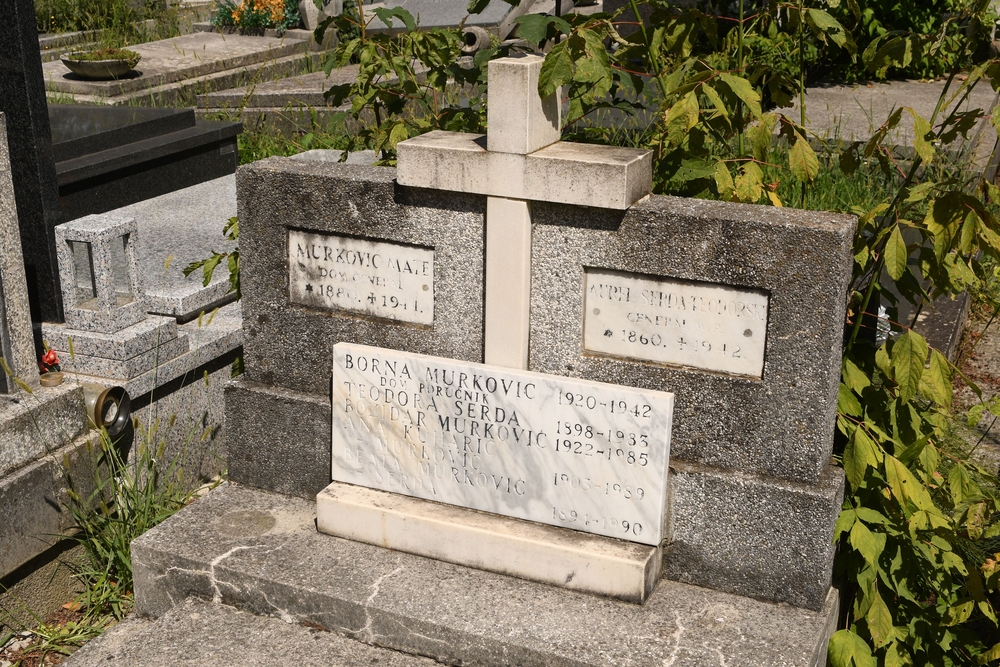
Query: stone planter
point(99, 70)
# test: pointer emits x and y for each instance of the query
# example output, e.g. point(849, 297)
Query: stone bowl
point(98, 70)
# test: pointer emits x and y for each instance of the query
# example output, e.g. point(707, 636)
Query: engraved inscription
point(573, 453)
point(698, 325)
point(375, 278)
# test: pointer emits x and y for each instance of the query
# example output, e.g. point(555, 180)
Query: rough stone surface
point(567, 173)
point(779, 426)
point(22, 100)
point(261, 553)
point(753, 536)
point(171, 60)
point(210, 338)
point(121, 345)
point(176, 229)
point(115, 296)
point(852, 112)
point(16, 345)
point(756, 536)
point(32, 425)
point(291, 346)
point(32, 502)
point(126, 369)
point(533, 551)
point(519, 120)
point(278, 439)
point(197, 633)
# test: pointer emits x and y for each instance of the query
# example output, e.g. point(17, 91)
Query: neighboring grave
point(22, 99)
point(172, 68)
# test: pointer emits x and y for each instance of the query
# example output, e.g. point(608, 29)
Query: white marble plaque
point(390, 280)
point(697, 325)
point(571, 453)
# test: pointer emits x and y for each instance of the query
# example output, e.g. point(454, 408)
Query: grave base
point(546, 554)
point(260, 552)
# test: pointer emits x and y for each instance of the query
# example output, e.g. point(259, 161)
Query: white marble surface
point(508, 282)
point(696, 325)
point(572, 453)
point(376, 278)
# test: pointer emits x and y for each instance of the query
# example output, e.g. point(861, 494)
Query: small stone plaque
point(389, 280)
point(678, 322)
point(573, 453)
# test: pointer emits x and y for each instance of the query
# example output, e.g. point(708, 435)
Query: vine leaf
point(922, 137)
point(895, 254)
point(935, 382)
point(802, 160)
point(909, 353)
point(880, 622)
point(849, 650)
point(742, 89)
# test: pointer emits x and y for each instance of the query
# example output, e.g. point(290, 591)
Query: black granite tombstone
point(36, 190)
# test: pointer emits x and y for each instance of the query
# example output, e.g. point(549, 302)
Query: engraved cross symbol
point(519, 161)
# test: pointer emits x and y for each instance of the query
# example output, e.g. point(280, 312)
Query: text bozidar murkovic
point(570, 453)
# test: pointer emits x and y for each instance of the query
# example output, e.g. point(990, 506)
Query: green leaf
point(724, 180)
point(922, 137)
point(534, 28)
point(744, 90)
point(880, 622)
point(854, 377)
point(847, 402)
point(385, 15)
point(845, 521)
point(823, 25)
point(906, 488)
point(557, 70)
point(935, 382)
point(870, 545)
point(713, 97)
point(909, 353)
point(895, 254)
point(847, 649)
point(989, 656)
point(749, 183)
point(802, 160)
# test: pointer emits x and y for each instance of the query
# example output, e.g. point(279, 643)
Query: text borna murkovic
point(578, 454)
point(375, 278)
point(698, 325)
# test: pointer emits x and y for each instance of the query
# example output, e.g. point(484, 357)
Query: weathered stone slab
point(749, 530)
point(291, 345)
point(261, 552)
point(121, 345)
point(208, 634)
point(546, 554)
point(579, 174)
point(388, 280)
point(16, 345)
point(581, 455)
point(779, 423)
point(175, 59)
point(697, 325)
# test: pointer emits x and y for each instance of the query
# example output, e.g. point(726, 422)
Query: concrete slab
point(301, 90)
point(201, 634)
point(174, 59)
point(261, 552)
point(853, 112)
point(176, 229)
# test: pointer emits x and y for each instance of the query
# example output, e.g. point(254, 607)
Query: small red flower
point(50, 361)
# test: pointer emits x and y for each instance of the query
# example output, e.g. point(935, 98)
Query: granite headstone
point(16, 346)
point(36, 191)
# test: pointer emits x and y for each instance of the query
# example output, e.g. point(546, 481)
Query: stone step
point(197, 633)
point(261, 553)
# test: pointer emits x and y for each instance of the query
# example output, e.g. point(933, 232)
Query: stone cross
point(519, 161)
point(16, 344)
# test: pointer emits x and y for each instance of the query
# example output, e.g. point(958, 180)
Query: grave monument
point(569, 422)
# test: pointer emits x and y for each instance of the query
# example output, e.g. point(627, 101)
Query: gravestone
point(386, 283)
point(22, 100)
point(752, 355)
point(16, 345)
